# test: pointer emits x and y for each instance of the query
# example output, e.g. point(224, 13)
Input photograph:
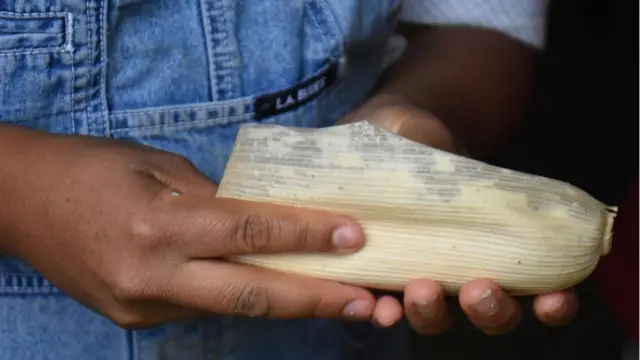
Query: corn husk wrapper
point(426, 213)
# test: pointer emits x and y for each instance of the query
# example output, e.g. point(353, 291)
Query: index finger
point(229, 227)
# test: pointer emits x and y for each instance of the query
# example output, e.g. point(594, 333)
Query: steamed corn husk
point(426, 213)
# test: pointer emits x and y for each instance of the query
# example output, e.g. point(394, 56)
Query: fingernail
point(347, 237)
point(358, 309)
point(382, 323)
point(427, 308)
point(558, 311)
point(557, 304)
point(487, 305)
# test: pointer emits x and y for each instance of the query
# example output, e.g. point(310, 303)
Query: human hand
point(138, 235)
point(485, 304)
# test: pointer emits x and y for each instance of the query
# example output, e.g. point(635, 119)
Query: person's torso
point(183, 76)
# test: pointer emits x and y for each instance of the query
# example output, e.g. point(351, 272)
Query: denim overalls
point(180, 75)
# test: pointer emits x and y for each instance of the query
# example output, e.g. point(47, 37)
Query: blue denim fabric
point(179, 75)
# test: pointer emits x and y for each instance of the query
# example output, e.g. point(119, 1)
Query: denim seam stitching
point(38, 118)
point(71, 94)
point(126, 115)
point(86, 99)
point(69, 39)
point(36, 15)
point(331, 18)
point(226, 83)
point(226, 120)
point(103, 68)
point(218, 45)
point(69, 32)
point(208, 33)
point(40, 288)
point(312, 16)
point(219, 121)
point(131, 339)
point(45, 50)
point(194, 107)
point(326, 37)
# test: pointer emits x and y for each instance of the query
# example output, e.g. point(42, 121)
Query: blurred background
point(582, 128)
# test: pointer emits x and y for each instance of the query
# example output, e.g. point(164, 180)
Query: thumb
point(406, 120)
point(416, 125)
point(246, 227)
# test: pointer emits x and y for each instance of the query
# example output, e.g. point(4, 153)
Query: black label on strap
point(292, 98)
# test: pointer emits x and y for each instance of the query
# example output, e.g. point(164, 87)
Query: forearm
point(476, 81)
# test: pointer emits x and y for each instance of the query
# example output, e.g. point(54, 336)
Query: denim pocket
point(36, 68)
point(34, 32)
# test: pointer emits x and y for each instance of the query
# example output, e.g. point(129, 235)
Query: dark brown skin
point(100, 218)
point(461, 90)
